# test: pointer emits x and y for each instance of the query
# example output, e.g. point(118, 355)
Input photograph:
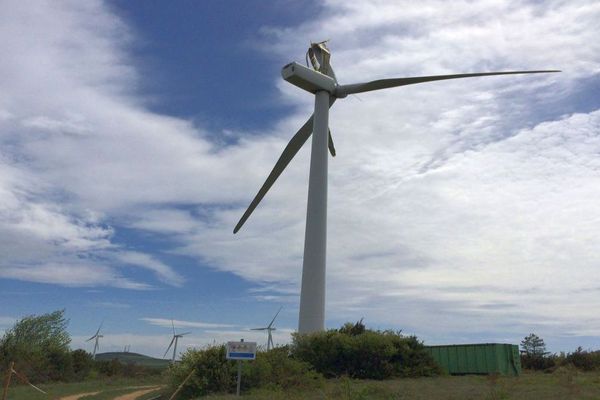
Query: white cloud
point(167, 323)
point(164, 272)
point(80, 274)
point(63, 72)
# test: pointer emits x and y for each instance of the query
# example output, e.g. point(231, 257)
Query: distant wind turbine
point(176, 337)
point(269, 328)
point(96, 336)
point(321, 81)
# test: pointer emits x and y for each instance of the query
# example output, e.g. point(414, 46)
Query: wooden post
point(180, 386)
point(7, 382)
point(24, 379)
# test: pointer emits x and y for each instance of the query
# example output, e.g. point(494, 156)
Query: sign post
point(240, 351)
point(239, 380)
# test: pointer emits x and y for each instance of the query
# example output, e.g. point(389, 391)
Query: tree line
point(535, 357)
point(39, 347)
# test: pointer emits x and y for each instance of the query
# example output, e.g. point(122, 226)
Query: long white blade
point(344, 90)
point(278, 311)
point(258, 329)
point(93, 337)
point(183, 334)
point(168, 348)
point(289, 152)
point(173, 325)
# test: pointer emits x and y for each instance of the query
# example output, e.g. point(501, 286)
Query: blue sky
point(133, 136)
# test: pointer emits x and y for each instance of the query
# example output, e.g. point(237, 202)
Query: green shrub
point(82, 364)
point(580, 359)
point(538, 362)
point(584, 360)
point(212, 372)
point(112, 368)
point(58, 365)
point(276, 369)
point(365, 355)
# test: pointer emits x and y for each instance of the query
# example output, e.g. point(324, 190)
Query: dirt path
point(129, 396)
point(137, 393)
point(78, 396)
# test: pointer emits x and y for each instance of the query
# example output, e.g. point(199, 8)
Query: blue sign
point(241, 350)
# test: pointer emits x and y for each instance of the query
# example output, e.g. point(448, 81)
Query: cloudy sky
point(134, 135)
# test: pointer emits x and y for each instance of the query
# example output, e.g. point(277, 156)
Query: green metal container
point(485, 358)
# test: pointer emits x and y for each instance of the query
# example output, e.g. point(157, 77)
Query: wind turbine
point(96, 336)
point(321, 81)
point(175, 339)
point(269, 328)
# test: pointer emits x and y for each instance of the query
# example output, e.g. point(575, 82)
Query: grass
point(109, 388)
point(562, 385)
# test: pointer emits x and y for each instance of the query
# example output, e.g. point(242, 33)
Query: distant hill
point(133, 358)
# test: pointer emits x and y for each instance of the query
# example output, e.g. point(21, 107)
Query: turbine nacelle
point(308, 79)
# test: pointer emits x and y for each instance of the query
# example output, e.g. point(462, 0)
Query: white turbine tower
point(269, 328)
point(96, 336)
point(176, 337)
point(321, 81)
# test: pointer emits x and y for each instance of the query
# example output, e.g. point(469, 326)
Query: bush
point(58, 366)
point(112, 368)
point(82, 364)
point(366, 355)
point(275, 368)
point(411, 358)
point(214, 374)
point(584, 360)
point(538, 362)
point(352, 351)
point(580, 359)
